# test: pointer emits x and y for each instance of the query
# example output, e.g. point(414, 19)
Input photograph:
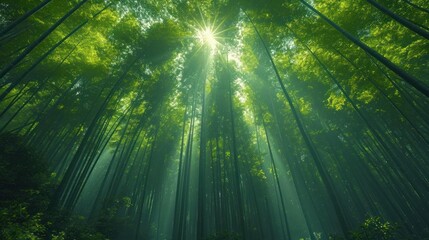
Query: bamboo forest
point(214, 119)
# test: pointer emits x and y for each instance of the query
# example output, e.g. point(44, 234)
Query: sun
point(207, 37)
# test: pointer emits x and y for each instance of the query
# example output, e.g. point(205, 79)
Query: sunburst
point(208, 34)
point(207, 37)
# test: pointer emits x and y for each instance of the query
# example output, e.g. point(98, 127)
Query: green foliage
point(336, 101)
point(117, 109)
point(374, 228)
point(18, 223)
point(161, 39)
point(108, 222)
point(22, 172)
point(77, 227)
point(25, 191)
point(224, 236)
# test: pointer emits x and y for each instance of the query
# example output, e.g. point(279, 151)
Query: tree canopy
point(220, 119)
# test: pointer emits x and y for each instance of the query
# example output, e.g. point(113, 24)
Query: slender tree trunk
point(179, 192)
point(416, 83)
point(395, 106)
point(202, 167)
point(144, 187)
point(313, 151)
point(276, 178)
point(417, 6)
point(236, 173)
point(406, 23)
point(23, 18)
point(45, 55)
point(77, 161)
point(42, 37)
point(17, 81)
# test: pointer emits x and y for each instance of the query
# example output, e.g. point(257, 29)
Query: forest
point(214, 119)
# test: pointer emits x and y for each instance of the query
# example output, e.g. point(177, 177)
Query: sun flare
point(207, 37)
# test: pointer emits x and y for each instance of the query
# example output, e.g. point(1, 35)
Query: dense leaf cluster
point(305, 119)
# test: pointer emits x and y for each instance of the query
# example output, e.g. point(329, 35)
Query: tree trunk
point(34, 44)
point(313, 151)
point(416, 83)
point(406, 23)
point(22, 18)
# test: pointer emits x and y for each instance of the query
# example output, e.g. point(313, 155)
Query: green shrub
point(25, 187)
point(374, 228)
